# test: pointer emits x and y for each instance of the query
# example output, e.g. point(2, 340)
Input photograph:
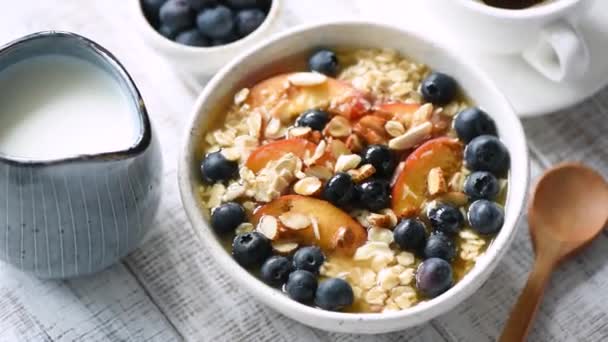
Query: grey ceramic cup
point(79, 214)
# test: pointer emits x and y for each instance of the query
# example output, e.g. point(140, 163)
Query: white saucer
point(529, 92)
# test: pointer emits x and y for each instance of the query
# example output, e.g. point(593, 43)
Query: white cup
point(546, 35)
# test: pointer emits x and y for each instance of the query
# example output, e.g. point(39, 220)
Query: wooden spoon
point(569, 207)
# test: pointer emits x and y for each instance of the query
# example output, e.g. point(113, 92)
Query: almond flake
point(319, 152)
point(319, 171)
point(241, 96)
point(338, 127)
point(347, 162)
point(315, 227)
point(273, 129)
point(412, 137)
point(295, 221)
point(284, 247)
point(394, 128)
point(299, 132)
point(268, 226)
point(307, 186)
point(338, 148)
point(422, 114)
point(306, 79)
point(436, 181)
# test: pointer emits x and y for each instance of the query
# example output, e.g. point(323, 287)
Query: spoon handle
point(522, 315)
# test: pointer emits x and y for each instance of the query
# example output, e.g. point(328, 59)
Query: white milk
point(57, 106)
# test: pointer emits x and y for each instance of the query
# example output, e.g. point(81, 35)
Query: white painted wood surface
point(170, 288)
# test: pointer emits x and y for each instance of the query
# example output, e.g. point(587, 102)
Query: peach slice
point(276, 149)
point(285, 100)
point(410, 189)
point(337, 233)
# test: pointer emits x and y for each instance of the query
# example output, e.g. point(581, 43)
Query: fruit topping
point(486, 217)
point(275, 270)
point(248, 21)
point(340, 189)
point(215, 167)
point(313, 118)
point(473, 122)
point(439, 246)
point(226, 217)
point(177, 14)
point(192, 38)
point(309, 259)
point(445, 218)
point(301, 286)
point(434, 277)
point(410, 234)
point(334, 294)
point(374, 194)
point(481, 185)
point(487, 153)
point(216, 22)
point(264, 154)
point(251, 249)
point(438, 88)
point(381, 158)
point(324, 62)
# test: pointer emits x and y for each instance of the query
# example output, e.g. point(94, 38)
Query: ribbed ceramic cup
point(79, 214)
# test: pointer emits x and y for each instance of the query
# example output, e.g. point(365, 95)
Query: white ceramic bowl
point(476, 85)
point(201, 61)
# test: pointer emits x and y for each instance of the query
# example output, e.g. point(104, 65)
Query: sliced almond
point(284, 248)
point(338, 148)
point(347, 162)
point(299, 132)
point(319, 152)
point(307, 186)
point(436, 181)
point(306, 79)
point(457, 182)
point(268, 226)
point(295, 221)
point(362, 173)
point(343, 237)
point(394, 128)
point(353, 143)
point(241, 96)
point(319, 171)
point(338, 127)
point(315, 227)
point(412, 137)
point(422, 114)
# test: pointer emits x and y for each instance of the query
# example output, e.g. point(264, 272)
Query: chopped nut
point(319, 171)
point(436, 181)
point(379, 220)
point(284, 247)
point(268, 226)
point(380, 235)
point(244, 227)
point(338, 148)
point(412, 137)
point(394, 128)
point(457, 182)
point(347, 162)
point(353, 143)
point(406, 258)
point(231, 153)
point(306, 79)
point(299, 132)
point(241, 96)
point(362, 173)
point(307, 186)
point(295, 221)
point(338, 127)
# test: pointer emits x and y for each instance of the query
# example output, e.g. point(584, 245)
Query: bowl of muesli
point(354, 176)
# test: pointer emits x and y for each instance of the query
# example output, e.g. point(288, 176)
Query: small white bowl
point(423, 49)
point(202, 61)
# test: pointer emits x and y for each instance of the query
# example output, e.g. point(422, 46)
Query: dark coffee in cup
point(513, 4)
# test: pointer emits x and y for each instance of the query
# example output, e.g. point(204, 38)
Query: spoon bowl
point(567, 211)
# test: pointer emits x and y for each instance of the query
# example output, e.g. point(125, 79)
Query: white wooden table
point(170, 288)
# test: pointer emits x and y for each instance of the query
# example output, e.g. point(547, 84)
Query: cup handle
point(561, 53)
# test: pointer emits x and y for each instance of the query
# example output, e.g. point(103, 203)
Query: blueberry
point(240, 4)
point(410, 234)
point(438, 88)
point(216, 22)
point(167, 32)
point(232, 37)
point(374, 194)
point(151, 10)
point(199, 5)
point(445, 218)
point(309, 259)
point(334, 294)
point(340, 189)
point(486, 217)
point(325, 62)
point(487, 153)
point(473, 122)
point(177, 14)
point(251, 249)
point(215, 167)
point(248, 21)
point(226, 217)
point(434, 277)
point(313, 118)
point(481, 184)
point(275, 270)
point(439, 246)
point(192, 38)
point(301, 286)
point(381, 158)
